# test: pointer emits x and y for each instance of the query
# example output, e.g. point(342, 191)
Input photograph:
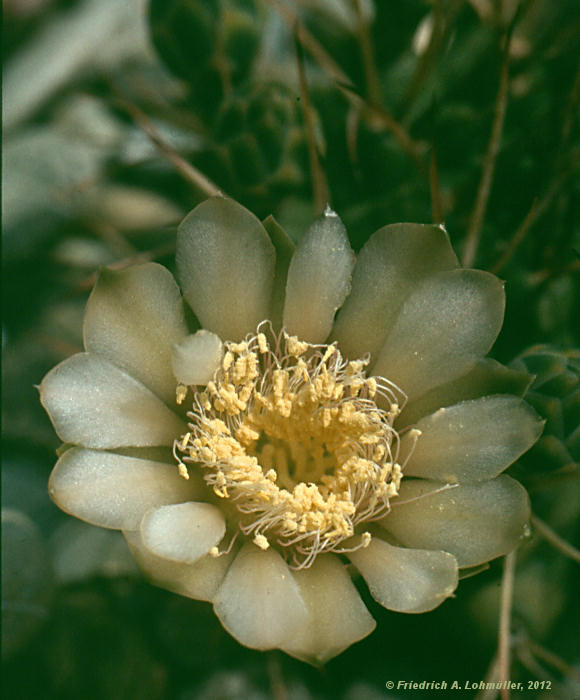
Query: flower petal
point(200, 580)
point(450, 321)
point(318, 279)
point(133, 318)
point(337, 617)
point(94, 403)
point(115, 491)
point(259, 602)
point(473, 440)
point(485, 377)
point(406, 580)
point(183, 532)
point(225, 263)
point(389, 266)
point(196, 358)
point(474, 522)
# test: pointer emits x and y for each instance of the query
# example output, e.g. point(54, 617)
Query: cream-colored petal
point(196, 358)
point(318, 279)
point(259, 602)
point(473, 440)
point(389, 267)
point(92, 402)
point(406, 580)
point(183, 532)
point(474, 522)
point(486, 377)
point(284, 251)
point(115, 491)
point(133, 318)
point(225, 263)
point(450, 321)
point(200, 580)
point(337, 617)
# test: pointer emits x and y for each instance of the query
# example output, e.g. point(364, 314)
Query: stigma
point(297, 441)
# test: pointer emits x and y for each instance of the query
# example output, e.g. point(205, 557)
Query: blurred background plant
point(119, 117)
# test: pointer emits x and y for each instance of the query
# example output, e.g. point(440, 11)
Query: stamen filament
point(291, 435)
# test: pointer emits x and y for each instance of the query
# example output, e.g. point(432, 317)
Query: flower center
point(290, 434)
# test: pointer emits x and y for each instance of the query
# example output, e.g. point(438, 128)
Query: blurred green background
point(119, 117)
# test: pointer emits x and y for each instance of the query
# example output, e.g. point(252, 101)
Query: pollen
point(298, 441)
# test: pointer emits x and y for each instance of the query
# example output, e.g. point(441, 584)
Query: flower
point(252, 462)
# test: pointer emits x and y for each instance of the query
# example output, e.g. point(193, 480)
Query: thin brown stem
point(517, 238)
point(536, 211)
point(136, 259)
point(552, 659)
point(313, 46)
point(529, 662)
point(540, 206)
point(489, 693)
point(114, 239)
point(368, 55)
point(189, 172)
point(554, 539)
point(540, 276)
point(57, 346)
point(382, 117)
point(564, 475)
point(570, 111)
point(435, 186)
point(505, 616)
point(379, 114)
point(277, 686)
point(319, 182)
point(443, 21)
point(484, 189)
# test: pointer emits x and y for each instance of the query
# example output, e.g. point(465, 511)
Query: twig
point(541, 482)
point(569, 113)
point(316, 50)
point(276, 680)
point(143, 257)
point(380, 115)
point(536, 211)
point(189, 172)
point(540, 276)
point(436, 203)
point(441, 30)
point(517, 238)
point(368, 55)
point(553, 659)
point(554, 539)
point(539, 207)
point(59, 346)
point(505, 615)
point(489, 693)
point(484, 189)
point(319, 182)
point(114, 239)
point(529, 661)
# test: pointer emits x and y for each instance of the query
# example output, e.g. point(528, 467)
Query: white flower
point(248, 462)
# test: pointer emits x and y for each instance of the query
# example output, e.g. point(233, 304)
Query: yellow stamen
point(294, 440)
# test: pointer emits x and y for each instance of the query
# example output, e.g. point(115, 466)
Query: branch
point(484, 189)
point(189, 172)
point(505, 615)
point(554, 539)
point(319, 182)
